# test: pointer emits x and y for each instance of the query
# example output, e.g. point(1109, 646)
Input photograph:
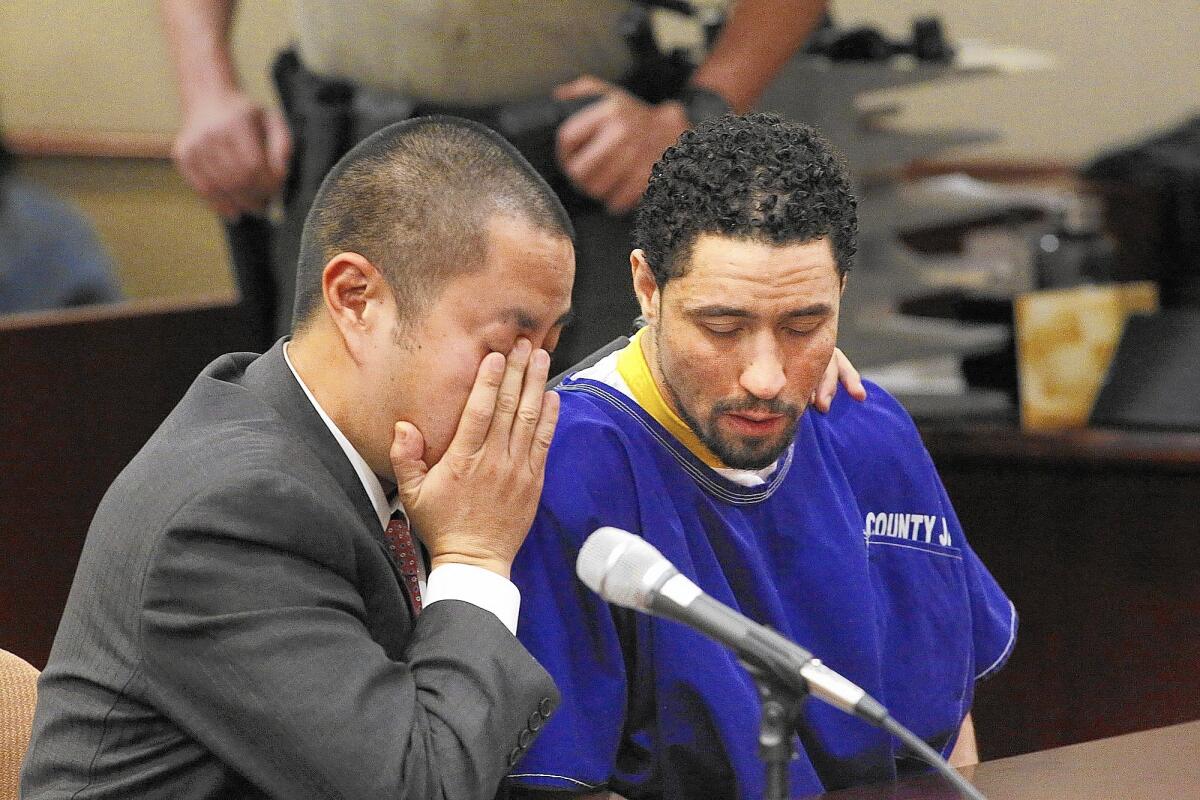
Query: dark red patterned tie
point(403, 547)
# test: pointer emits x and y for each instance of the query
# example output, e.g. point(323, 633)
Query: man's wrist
point(494, 564)
point(203, 100)
point(209, 78)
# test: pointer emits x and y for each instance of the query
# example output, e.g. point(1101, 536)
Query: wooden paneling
point(1095, 535)
point(91, 144)
point(81, 392)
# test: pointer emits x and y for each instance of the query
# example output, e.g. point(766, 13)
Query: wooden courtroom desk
point(1095, 535)
point(1161, 764)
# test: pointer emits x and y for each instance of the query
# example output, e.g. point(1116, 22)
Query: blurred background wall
point(100, 65)
point(1124, 68)
point(74, 67)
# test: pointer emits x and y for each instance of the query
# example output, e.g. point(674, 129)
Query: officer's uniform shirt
point(463, 52)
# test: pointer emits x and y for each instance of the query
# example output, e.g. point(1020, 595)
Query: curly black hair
point(754, 176)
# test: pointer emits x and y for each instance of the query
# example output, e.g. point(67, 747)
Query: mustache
point(753, 404)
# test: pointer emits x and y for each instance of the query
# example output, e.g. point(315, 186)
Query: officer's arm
point(231, 150)
point(758, 38)
point(608, 148)
point(198, 35)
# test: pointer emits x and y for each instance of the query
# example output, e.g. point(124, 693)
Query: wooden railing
point(36, 142)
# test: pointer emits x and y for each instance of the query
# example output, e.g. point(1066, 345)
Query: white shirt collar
point(370, 481)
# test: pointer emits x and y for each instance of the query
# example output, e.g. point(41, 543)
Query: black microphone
point(628, 571)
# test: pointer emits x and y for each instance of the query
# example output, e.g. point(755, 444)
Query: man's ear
point(357, 298)
point(644, 285)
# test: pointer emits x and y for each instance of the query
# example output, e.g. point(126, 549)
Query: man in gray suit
point(244, 619)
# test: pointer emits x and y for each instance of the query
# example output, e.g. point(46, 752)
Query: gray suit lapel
point(269, 377)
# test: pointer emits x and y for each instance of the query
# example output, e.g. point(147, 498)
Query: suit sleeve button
point(545, 707)
point(535, 721)
point(514, 755)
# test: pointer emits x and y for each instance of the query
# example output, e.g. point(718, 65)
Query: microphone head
point(624, 569)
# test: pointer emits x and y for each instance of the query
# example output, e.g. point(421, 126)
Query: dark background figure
point(360, 66)
point(50, 257)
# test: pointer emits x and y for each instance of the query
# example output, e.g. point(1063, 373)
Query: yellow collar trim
point(633, 369)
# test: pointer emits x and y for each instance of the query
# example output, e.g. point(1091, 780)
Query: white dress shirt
point(474, 585)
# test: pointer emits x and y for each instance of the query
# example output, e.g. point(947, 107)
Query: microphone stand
point(780, 703)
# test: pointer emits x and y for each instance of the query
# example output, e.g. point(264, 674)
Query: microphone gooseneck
point(628, 571)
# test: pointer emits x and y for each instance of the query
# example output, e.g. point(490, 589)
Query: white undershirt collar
point(370, 481)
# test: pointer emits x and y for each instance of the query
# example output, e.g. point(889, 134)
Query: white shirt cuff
point(477, 586)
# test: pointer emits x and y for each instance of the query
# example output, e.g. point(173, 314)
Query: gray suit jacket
point(237, 628)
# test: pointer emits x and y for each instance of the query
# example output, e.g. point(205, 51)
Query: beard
point(740, 452)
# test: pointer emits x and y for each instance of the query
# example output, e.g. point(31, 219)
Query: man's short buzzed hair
point(414, 199)
point(756, 177)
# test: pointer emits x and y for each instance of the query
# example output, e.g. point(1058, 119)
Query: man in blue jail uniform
point(832, 529)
